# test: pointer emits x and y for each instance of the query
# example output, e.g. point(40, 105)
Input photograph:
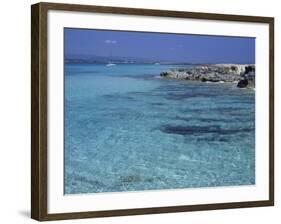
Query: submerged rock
point(242, 83)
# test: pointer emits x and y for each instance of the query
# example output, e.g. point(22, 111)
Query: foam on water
point(126, 130)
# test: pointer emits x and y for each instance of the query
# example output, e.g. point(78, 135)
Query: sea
point(128, 129)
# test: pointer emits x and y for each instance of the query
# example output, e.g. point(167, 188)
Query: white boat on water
point(110, 64)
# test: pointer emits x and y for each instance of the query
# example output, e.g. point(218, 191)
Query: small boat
point(156, 63)
point(110, 64)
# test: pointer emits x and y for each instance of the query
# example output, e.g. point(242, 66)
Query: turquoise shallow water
point(128, 130)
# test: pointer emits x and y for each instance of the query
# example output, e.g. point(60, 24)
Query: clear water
point(128, 130)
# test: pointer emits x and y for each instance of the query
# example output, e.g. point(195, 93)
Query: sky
point(160, 46)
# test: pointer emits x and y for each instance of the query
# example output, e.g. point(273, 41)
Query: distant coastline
point(93, 59)
point(127, 63)
point(115, 60)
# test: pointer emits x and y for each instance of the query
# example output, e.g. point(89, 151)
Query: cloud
point(110, 41)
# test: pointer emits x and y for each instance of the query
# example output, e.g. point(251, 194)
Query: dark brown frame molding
point(39, 149)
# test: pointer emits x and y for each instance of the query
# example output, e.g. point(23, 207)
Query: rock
point(231, 73)
point(249, 68)
point(164, 74)
point(204, 79)
point(242, 83)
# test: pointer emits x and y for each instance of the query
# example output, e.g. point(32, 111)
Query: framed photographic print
point(138, 111)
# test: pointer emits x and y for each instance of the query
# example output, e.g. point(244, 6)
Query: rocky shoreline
point(241, 74)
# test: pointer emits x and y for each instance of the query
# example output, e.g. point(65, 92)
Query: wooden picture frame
point(39, 108)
